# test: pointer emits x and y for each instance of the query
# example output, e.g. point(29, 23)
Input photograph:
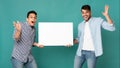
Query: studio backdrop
point(58, 11)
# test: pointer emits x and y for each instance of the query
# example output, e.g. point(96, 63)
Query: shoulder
point(22, 23)
point(81, 23)
point(97, 18)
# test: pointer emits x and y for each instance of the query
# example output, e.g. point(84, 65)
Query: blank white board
point(55, 33)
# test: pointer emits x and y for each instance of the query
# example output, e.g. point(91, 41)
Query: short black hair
point(86, 7)
point(32, 11)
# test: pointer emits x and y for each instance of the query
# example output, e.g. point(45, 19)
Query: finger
point(18, 24)
point(69, 45)
point(106, 7)
point(17, 21)
point(14, 24)
point(103, 13)
point(40, 45)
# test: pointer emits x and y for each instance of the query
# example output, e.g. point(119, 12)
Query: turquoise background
point(58, 11)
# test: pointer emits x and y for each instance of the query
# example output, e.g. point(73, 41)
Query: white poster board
point(55, 33)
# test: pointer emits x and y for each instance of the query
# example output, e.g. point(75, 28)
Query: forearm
point(108, 19)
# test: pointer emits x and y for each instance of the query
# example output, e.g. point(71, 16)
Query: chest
point(27, 32)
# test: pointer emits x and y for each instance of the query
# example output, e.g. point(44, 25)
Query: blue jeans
point(89, 56)
point(18, 64)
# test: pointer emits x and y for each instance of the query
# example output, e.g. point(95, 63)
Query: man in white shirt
point(89, 37)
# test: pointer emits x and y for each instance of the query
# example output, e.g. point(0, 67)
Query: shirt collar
point(31, 27)
point(88, 20)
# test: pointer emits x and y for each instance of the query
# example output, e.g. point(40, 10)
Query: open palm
point(106, 10)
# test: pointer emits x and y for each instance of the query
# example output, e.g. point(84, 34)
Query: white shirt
point(96, 23)
point(88, 41)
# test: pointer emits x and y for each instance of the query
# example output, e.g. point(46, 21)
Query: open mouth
point(32, 22)
point(85, 16)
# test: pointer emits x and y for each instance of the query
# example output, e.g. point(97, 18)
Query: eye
point(33, 17)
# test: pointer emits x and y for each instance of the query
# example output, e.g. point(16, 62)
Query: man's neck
point(88, 19)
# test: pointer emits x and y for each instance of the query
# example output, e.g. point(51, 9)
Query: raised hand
point(17, 26)
point(105, 13)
